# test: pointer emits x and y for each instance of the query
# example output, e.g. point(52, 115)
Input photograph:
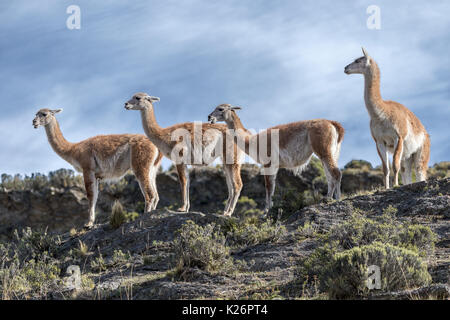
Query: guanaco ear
point(152, 99)
point(365, 52)
point(236, 108)
point(366, 55)
point(56, 111)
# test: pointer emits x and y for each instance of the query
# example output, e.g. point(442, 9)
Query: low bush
point(252, 231)
point(247, 207)
point(340, 263)
point(360, 230)
point(28, 268)
point(119, 215)
point(347, 274)
point(289, 201)
point(201, 247)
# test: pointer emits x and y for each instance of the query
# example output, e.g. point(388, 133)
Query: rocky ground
point(137, 259)
point(271, 266)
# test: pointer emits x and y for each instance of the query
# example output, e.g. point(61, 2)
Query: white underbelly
point(412, 144)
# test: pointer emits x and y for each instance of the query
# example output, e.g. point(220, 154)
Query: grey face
point(222, 113)
point(219, 113)
point(44, 117)
point(140, 101)
point(360, 65)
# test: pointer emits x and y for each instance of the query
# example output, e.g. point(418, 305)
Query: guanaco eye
point(138, 98)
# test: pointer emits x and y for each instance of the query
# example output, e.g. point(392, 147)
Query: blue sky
point(282, 61)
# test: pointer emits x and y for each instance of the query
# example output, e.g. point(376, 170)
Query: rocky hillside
point(318, 252)
point(57, 202)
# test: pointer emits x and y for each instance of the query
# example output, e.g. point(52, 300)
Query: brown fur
point(92, 155)
point(162, 138)
point(320, 134)
point(394, 119)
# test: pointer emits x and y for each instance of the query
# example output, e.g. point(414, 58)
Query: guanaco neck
point(151, 127)
point(153, 131)
point(372, 95)
point(242, 135)
point(56, 139)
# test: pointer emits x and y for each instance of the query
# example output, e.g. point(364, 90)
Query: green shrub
point(252, 231)
point(289, 200)
point(346, 276)
point(118, 215)
point(61, 178)
point(32, 244)
point(64, 178)
point(347, 249)
point(359, 164)
point(120, 258)
point(40, 273)
point(440, 170)
point(28, 267)
point(419, 238)
point(247, 207)
point(98, 264)
point(308, 230)
point(201, 247)
point(131, 216)
point(360, 230)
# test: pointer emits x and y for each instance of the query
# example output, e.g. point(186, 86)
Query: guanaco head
point(360, 65)
point(140, 101)
point(44, 117)
point(222, 113)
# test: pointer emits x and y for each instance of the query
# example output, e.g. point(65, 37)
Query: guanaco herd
point(394, 128)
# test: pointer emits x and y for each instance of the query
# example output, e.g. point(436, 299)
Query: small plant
point(418, 238)
point(289, 200)
point(73, 232)
point(118, 215)
point(359, 230)
point(308, 230)
point(201, 247)
point(98, 264)
point(120, 258)
point(131, 216)
point(28, 268)
point(247, 207)
point(87, 283)
point(83, 249)
point(252, 231)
